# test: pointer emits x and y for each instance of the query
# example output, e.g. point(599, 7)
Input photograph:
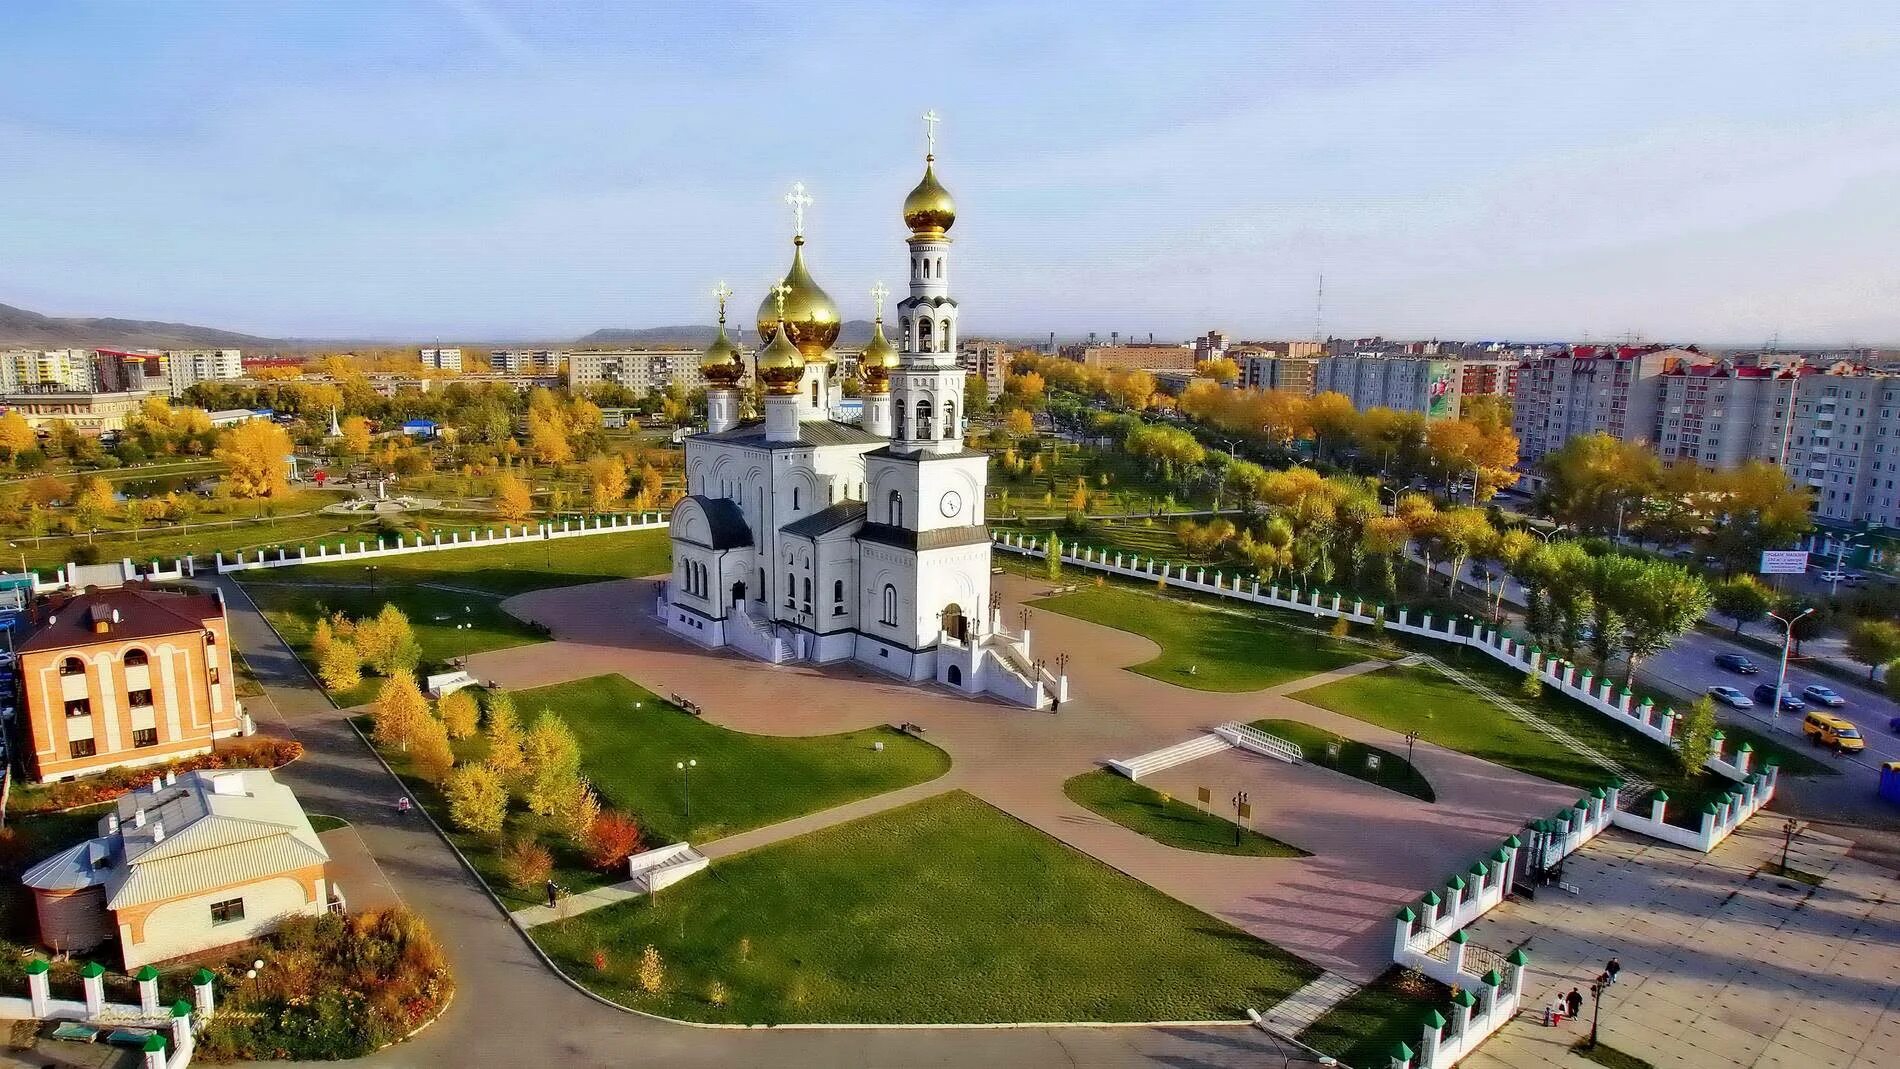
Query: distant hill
point(19, 327)
point(856, 333)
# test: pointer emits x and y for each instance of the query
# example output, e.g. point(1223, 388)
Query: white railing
point(1248, 737)
point(388, 547)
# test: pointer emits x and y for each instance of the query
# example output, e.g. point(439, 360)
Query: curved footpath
point(512, 1010)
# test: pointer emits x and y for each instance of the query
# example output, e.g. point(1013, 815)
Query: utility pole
point(1789, 829)
point(1241, 811)
point(1787, 641)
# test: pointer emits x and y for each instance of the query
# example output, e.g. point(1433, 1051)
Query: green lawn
point(1362, 1030)
point(946, 910)
point(1394, 773)
point(322, 822)
point(742, 781)
point(1170, 822)
point(447, 624)
point(1208, 649)
point(505, 570)
point(205, 538)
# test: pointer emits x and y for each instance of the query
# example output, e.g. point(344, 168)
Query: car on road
point(1822, 694)
point(1831, 576)
point(1789, 703)
point(1735, 662)
point(1731, 697)
point(1826, 729)
point(1894, 725)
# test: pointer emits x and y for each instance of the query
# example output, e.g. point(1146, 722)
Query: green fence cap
point(154, 1044)
point(1519, 958)
point(1464, 997)
point(1501, 856)
point(1477, 869)
point(1401, 1051)
point(1660, 795)
point(1457, 883)
point(37, 966)
point(1436, 1020)
point(1492, 979)
point(203, 976)
point(1431, 898)
point(1407, 915)
point(92, 969)
point(1599, 793)
point(146, 973)
point(1745, 747)
point(181, 1008)
point(1459, 936)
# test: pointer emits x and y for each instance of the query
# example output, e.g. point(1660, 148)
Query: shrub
point(652, 970)
point(1533, 685)
point(257, 751)
point(611, 839)
point(1341, 627)
point(716, 993)
point(526, 863)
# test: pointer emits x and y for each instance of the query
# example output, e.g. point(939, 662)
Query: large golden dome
point(811, 320)
point(781, 365)
point(722, 363)
point(878, 361)
point(929, 209)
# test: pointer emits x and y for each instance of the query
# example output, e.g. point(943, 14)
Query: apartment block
point(1590, 389)
point(1139, 357)
point(525, 361)
point(184, 368)
point(988, 360)
point(441, 359)
point(1845, 445)
point(1487, 378)
point(1721, 414)
point(46, 369)
point(1266, 371)
point(643, 371)
point(1426, 386)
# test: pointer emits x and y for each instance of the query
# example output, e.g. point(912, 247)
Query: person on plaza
point(1575, 1001)
point(553, 889)
point(1554, 1013)
point(1612, 969)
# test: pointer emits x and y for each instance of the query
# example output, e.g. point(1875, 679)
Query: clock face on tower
point(951, 504)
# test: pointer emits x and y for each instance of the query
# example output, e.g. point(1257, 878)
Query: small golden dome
point(879, 359)
point(811, 319)
point(781, 365)
point(929, 209)
point(722, 363)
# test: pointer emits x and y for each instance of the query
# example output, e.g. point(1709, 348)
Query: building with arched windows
point(805, 538)
point(122, 677)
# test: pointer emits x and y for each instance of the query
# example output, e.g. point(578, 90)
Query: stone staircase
point(755, 638)
point(1168, 756)
point(1297, 1012)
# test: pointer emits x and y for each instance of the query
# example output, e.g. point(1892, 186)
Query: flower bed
point(257, 751)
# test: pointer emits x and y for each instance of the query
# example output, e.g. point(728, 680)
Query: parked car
point(1894, 725)
point(1735, 662)
point(1826, 729)
point(1831, 576)
point(1822, 694)
point(1789, 703)
point(1731, 697)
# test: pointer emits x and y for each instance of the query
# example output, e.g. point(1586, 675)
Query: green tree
point(401, 712)
point(505, 740)
point(460, 715)
point(1742, 599)
point(1663, 602)
point(553, 763)
point(1874, 643)
point(341, 667)
point(478, 800)
point(1052, 561)
point(1695, 734)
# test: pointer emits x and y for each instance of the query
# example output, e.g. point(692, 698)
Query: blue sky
point(474, 169)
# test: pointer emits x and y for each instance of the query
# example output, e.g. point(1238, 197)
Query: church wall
point(959, 576)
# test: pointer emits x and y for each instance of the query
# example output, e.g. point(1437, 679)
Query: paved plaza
point(1722, 967)
point(1374, 849)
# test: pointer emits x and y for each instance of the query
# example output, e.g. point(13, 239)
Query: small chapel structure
point(806, 538)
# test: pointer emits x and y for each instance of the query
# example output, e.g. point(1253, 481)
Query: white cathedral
point(806, 538)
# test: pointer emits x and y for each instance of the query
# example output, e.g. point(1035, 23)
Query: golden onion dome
point(811, 319)
point(781, 365)
point(722, 363)
point(929, 209)
point(879, 360)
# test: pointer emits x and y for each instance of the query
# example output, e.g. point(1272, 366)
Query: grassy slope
point(1173, 823)
point(1363, 1029)
point(946, 910)
point(1395, 772)
point(742, 781)
point(1227, 651)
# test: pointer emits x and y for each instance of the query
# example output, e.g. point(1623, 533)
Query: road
point(512, 1010)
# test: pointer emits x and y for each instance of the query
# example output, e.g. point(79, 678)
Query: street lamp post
point(1789, 830)
point(686, 777)
point(1552, 533)
point(1596, 1006)
point(1787, 641)
point(1411, 739)
point(372, 579)
point(1840, 562)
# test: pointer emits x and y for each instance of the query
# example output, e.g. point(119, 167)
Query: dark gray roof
point(942, 538)
point(925, 454)
point(935, 302)
point(842, 514)
point(728, 525)
point(811, 432)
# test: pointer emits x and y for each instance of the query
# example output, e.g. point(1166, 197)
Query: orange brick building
point(130, 676)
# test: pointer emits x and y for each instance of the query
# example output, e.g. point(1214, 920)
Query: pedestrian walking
point(553, 889)
point(1612, 969)
point(1575, 1001)
point(1554, 1013)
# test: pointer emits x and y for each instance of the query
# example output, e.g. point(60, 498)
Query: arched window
point(890, 605)
point(814, 393)
point(897, 509)
point(926, 267)
point(923, 334)
point(949, 419)
point(837, 597)
point(72, 666)
point(761, 585)
point(791, 591)
point(794, 499)
point(901, 421)
point(923, 419)
point(939, 267)
point(806, 600)
point(136, 658)
point(943, 337)
point(903, 330)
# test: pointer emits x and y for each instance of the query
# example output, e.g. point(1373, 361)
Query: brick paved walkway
point(1720, 970)
point(1374, 849)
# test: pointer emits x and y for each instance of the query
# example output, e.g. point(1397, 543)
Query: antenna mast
point(1319, 310)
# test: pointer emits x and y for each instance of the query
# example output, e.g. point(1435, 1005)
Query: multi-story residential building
point(1428, 387)
point(1142, 357)
point(67, 370)
point(183, 368)
point(1487, 378)
point(643, 371)
point(1210, 346)
point(1845, 445)
point(525, 361)
point(989, 361)
point(1587, 390)
point(126, 676)
point(86, 412)
point(1266, 371)
point(441, 359)
point(1721, 414)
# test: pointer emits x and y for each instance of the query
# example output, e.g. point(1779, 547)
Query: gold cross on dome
point(799, 200)
point(931, 119)
point(779, 293)
point(720, 293)
point(878, 293)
